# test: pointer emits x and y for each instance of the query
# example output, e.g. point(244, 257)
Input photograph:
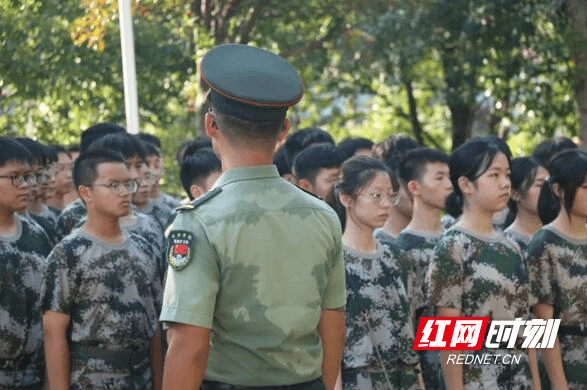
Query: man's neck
point(57, 201)
point(104, 227)
point(395, 223)
point(425, 219)
point(7, 222)
point(233, 156)
point(155, 192)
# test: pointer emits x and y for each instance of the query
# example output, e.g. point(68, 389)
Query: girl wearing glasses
point(476, 271)
point(557, 258)
point(379, 335)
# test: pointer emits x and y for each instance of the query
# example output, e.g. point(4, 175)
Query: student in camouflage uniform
point(379, 333)
point(199, 171)
point(102, 291)
point(557, 256)
point(476, 272)
point(23, 248)
point(523, 220)
point(256, 264)
point(425, 172)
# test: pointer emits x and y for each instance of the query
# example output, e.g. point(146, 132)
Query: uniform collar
point(247, 173)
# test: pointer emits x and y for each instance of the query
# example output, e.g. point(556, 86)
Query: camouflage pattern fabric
point(111, 292)
point(384, 237)
point(22, 266)
point(263, 260)
point(557, 266)
point(48, 221)
point(483, 277)
point(169, 201)
point(418, 249)
point(518, 238)
point(447, 221)
point(159, 212)
point(71, 215)
point(379, 331)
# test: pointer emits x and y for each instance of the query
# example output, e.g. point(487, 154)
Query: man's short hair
point(191, 146)
point(12, 150)
point(150, 138)
point(97, 131)
point(37, 150)
point(281, 161)
point(315, 157)
point(150, 149)
point(196, 168)
point(546, 150)
point(243, 129)
point(414, 162)
point(124, 143)
point(86, 165)
point(349, 146)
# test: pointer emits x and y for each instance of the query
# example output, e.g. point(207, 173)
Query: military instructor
point(255, 292)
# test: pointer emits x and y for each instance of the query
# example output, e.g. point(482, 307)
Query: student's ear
point(516, 196)
point(196, 191)
point(465, 185)
point(345, 200)
point(306, 185)
point(413, 188)
point(84, 193)
point(556, 188)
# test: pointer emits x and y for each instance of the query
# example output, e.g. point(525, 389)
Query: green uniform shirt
point(264, 259)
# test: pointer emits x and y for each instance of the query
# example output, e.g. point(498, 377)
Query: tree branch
point(317, 43)
point(206, 12)
point(416, 126)
point(247, 27)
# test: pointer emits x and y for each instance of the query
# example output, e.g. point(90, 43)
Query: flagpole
point(131, 101)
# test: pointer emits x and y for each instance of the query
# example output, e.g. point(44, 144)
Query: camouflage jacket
point(558, 270)
point(384, 237)
point(256, 260)
point(48, 221)
point(518, 238)
point(71, 215)
point(379, 330)
point(22, 265)
point(159, 212)
point(169, 201)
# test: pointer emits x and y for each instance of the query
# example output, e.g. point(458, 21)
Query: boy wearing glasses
point(102, 290)
point(23, 248)
point(426, 176)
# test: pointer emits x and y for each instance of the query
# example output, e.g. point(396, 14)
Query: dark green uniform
point(256, 261)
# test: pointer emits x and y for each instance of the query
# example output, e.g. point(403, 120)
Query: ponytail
point(549, 205)
point(454, 204)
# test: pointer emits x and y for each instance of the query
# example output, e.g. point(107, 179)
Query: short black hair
point(124, 143)
point(314, 135)
point(196, 167)
point(86, 165)
point(281, 161)
point(150, 138)
point(36, 149)
point(12, 150)
point(546, 150)
point(58, 149)
point(413, 165)
point(150, 149)
point(349, 146)
point(191, 146)
point(315, 157)
point(97, 131)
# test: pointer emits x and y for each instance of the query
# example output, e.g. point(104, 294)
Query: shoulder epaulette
point(197, 202)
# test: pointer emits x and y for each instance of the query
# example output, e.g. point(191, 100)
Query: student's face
point(371, 206)
point(404, 205)
point(529, 200)
point(13, 198)
point(325, 180)
point(138, 171)
point(103, 198)
point(580, 202)
point(37, 191)
point(491, 191)
point(62, 174)
point(434, 186)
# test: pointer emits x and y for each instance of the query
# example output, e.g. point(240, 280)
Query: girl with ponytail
point(379, 334)
point(476, 271)
point(557, 263)
point(523, 220)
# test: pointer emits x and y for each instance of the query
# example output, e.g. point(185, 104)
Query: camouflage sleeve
point(541, 272)
point(445, 276)
point(58, 288)
point(190, 291)
point(335, 292)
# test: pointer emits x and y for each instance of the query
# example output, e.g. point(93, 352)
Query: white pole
point(131, 101)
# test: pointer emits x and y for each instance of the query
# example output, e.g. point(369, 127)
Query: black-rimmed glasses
point(131, 186)
point(30, 179)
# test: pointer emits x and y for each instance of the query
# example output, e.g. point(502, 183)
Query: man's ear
point(210, 124)
point(283, 132)
point(413, 188)
point(196, 191)
point(465, 185)
point(84, 193)
point(306, 185)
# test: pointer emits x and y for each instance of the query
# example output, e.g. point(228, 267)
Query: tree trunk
point(416, 126)
point(461, 116)
point(578, 43)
